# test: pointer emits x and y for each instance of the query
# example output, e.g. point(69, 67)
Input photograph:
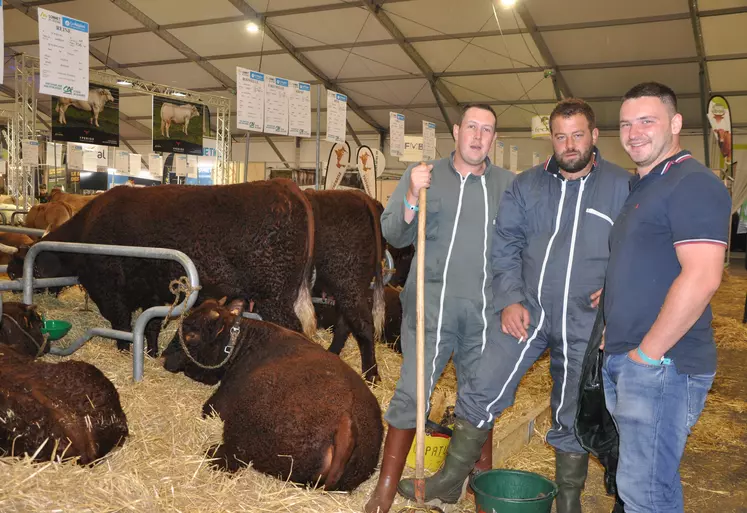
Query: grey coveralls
point(550, 253)
point(458, 296)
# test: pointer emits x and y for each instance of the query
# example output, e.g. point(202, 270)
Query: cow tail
point(303, 307)
point(378, 294)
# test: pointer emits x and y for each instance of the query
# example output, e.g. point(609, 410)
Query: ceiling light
point(177, 93)
point(252, 27)
point(507, 4)
point(124, 83)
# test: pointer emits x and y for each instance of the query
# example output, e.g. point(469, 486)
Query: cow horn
point(46, 232)
point(10, 250)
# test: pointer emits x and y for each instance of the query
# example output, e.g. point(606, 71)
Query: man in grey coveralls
point(464, 191)
point(549, 258)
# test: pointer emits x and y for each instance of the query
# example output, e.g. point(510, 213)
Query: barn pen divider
point(27, 283)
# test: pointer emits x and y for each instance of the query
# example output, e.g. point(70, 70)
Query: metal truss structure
point(22, 127)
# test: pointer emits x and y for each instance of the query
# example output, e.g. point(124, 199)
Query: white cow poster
point(177, 126)
point(91, 121)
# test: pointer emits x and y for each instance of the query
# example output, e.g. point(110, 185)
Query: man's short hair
point(481, 106)
point(572, 106)
point(655, 89)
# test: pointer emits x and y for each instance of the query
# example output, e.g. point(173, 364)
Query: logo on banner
point(366, 169)
point(336, 166)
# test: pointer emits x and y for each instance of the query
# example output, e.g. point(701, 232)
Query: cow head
point(46, 265)
point(107, 95)
point(20, 328)
point(193, 111)
point(206, 334)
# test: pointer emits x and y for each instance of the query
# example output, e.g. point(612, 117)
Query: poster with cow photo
point(177, 126)
point(92, 121)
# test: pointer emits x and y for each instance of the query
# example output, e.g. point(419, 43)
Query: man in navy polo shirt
point(666, 260)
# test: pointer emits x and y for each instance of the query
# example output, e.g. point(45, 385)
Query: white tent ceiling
point(395, 54)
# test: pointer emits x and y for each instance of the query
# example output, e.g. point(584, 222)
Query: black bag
point(595, 428)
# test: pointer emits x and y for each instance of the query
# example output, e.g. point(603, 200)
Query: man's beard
point(576, 165)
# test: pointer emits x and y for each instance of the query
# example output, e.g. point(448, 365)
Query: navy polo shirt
point(679, 202)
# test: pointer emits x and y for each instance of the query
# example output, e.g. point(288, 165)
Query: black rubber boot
point(464, 450)
point(619, 505)
point(570, 476)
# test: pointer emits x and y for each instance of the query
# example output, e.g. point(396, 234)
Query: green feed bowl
point(512, 491)
point(56, 329)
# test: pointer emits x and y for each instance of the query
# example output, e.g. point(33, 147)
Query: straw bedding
point(162, 466)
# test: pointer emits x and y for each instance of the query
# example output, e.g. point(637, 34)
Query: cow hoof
point(373, 377)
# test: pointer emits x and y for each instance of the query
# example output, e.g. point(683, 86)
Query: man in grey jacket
point(464, 191)
point(549, 257)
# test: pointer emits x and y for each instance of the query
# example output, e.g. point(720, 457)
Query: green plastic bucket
point(512, 491)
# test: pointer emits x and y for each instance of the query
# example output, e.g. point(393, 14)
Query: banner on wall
point(63, 55)
point(413, 151)
point(498, 160)
point(367, 169)
point(540, 127)
point(380, 161)
point(91, 121)
point(177, 126)
point(337, 163)
point(719, 117)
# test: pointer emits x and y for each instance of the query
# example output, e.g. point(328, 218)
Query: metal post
point(246, 158)
point(704, 115)
point(318, 178)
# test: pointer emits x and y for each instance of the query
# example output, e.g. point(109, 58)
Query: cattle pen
point(163, 464)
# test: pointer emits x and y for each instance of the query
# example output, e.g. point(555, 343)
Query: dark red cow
point(292, 409)
point(348, 254)
point(20, 328)
point(57, 410)
point(253, 240)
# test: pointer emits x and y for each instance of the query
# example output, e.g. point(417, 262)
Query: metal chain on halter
point(41, 347)
point(182, 285)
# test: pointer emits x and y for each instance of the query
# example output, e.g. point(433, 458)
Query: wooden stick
point(420, 355)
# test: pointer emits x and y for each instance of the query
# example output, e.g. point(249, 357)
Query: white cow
point(178, 114)
point(97, 99)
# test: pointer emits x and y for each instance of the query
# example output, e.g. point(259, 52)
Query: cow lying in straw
point(292, 409)
point(20, 328)
point(52, 410)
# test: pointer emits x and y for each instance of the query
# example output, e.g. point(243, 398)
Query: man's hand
point(420, 177)
point(595, 298)
point(515, 321)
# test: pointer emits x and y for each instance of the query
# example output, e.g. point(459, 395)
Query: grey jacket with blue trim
point(530, 219)
point(467, 259)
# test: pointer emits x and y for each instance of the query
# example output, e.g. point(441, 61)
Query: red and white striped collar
point(677, 159)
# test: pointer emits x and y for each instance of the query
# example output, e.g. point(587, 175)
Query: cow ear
point(237, 306)
point(223, 300)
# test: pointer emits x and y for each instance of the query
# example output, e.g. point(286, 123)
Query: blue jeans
point(654, 408)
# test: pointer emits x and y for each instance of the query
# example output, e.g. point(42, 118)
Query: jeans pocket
point(698, 386)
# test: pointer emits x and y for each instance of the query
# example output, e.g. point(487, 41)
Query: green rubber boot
point(464, 450)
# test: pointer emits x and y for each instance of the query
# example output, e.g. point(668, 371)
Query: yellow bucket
point(436, 447)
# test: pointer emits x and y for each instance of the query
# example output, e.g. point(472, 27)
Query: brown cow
point(76, 201)
point(251, 240)
point(20, 329)
point(348, 255)
point(63, 410)
point(9, 244)
point(292, 409)
point(48, 216)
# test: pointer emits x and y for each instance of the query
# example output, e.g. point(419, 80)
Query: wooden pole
point(420, 355)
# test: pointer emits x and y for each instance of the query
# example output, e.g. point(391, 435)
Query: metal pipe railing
point(21, 229)
point(17, 213)
point(137, 336)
